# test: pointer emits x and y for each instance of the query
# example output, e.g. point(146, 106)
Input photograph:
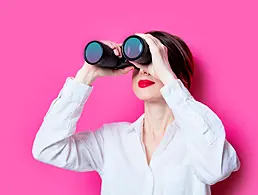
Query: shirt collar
point(138, 124)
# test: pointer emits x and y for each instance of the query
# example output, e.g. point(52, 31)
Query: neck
point(157, 116)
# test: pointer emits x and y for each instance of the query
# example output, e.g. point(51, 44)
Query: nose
point(143, 72)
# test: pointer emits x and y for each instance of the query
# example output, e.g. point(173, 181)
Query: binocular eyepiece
point(134, 48)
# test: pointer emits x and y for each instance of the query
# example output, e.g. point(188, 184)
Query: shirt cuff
point(75, 91)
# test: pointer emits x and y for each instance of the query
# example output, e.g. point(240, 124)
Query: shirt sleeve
point(213, 158)
point(56, 142)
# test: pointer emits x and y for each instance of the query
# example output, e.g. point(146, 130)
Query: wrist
point(85, 75)
point(168, 77)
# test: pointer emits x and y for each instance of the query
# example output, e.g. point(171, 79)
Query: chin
point(147, 95)
point(151, 93)
point(144, 97)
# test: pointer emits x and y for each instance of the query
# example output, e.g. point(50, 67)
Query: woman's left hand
point(159, 67)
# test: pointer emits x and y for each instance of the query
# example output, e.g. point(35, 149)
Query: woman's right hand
point(88, 73)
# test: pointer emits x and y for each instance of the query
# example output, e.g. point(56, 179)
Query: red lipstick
point(145, 83)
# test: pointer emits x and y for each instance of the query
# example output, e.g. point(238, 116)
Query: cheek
point(134, 86)
point(134, 79)
point(135, 72)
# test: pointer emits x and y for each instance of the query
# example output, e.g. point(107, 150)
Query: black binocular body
point(134, 48)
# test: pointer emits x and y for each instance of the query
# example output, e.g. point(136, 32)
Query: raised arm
point(56, 142)
point(213, 157)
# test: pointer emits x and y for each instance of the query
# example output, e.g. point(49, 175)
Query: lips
point(145, 83)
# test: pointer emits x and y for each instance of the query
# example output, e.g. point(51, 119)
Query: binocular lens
point(93, 52)
point(133, 48)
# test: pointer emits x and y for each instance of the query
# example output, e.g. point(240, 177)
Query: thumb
point(123, 71)
point(140, 66)
point(127, 69)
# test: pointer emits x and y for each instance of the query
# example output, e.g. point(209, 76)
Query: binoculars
point(134, 48)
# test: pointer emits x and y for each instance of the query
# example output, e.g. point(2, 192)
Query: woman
point(177, 146)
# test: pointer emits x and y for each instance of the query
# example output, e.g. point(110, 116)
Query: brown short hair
point(179, 56)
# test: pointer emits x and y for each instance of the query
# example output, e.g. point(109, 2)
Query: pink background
point(42, 43)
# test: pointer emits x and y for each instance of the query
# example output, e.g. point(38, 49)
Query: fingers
point(154, 44)
point(149, 41)
point(108, 43)
point(116, 47)
point(118, 51)
point(155, 40)
point(158, 43)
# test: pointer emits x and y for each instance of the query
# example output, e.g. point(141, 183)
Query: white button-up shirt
point(192, 155)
